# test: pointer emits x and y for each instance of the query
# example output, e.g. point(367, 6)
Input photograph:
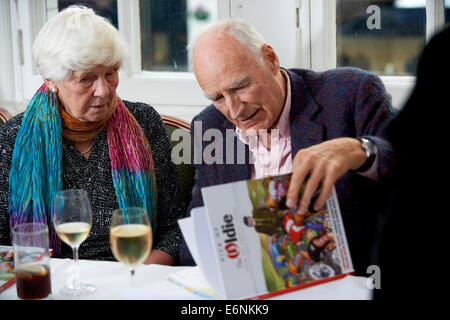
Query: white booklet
point(249, 245)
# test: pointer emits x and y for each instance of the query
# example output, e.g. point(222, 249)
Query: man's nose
point(234, 106)
point(101, 88)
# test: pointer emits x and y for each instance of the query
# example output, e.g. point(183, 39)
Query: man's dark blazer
point(344, 102)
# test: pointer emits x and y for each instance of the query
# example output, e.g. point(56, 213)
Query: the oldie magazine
point(249, 245)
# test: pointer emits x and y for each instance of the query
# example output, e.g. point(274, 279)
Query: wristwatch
point(370, 151)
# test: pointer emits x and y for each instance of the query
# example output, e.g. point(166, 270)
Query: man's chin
point(254, 130)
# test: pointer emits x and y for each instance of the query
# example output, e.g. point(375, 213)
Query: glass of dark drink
point(32, 261)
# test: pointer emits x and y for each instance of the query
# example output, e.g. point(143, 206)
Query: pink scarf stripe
point(125, 134)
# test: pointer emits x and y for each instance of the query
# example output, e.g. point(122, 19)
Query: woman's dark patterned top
point(94, 175)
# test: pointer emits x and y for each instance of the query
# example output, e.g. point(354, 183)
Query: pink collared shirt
point(278, 159)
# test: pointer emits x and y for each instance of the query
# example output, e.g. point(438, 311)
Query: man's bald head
point(222, 30)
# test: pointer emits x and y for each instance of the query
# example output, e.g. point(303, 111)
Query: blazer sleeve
point(373, 112)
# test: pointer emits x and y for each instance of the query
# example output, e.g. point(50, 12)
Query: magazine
point(249, 245)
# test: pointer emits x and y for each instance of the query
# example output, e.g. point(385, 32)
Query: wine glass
point(130, 237)
point(72, 219)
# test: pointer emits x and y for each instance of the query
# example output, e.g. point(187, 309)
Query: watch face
point(365, 145)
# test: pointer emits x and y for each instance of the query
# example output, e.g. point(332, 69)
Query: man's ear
point(270, 57)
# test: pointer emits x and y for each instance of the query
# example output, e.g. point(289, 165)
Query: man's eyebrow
point(212, 97)
point(232, 87)
point(238, 83)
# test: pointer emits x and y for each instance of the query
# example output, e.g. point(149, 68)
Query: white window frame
point(25, 19)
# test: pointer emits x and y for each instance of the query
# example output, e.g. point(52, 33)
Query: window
point(447, 11)
point(384, 37)
point(166, 29)
point(338, 24)
point(104, 8)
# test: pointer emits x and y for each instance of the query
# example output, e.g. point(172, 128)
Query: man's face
point(247, 91)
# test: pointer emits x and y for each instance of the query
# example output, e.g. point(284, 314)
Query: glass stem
point(75, 276)
point(75, 255)
point(132, 278)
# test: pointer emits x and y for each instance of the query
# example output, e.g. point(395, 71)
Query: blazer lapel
point(304, 131)
point(240, 168)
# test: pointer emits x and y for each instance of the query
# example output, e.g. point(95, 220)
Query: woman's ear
point(270, 56)
point(51, 84)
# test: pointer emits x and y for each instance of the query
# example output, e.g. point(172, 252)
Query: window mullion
point(323, 34)
point(303, 48)
point(223, 9)
point(129, 27)
point(435, 17)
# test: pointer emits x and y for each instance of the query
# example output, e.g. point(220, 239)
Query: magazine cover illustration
point(295, 249)
point(7, 274)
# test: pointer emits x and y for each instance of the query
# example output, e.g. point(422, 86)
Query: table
point(113, 283)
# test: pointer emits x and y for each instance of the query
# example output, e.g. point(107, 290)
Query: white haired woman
point(76, 133)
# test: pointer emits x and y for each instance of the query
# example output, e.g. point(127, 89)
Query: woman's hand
point(159, 257)
point(324, 163)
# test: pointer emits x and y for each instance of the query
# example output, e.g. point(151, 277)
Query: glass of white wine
point(131, 237)
point(72, 219)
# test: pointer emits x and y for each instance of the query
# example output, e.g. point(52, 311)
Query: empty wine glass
point(72, 219)
point(131, 237)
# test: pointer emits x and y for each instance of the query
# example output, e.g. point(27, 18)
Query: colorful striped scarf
point(36, 169)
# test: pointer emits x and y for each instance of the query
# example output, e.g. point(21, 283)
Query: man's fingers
point(294, 188)
point(327, 187)
point(310, 189)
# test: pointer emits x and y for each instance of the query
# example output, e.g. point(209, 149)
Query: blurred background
point(168, 25)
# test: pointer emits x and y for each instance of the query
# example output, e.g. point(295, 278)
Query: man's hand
point(324, 163)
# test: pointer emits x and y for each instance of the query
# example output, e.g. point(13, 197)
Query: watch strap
point(368, 148)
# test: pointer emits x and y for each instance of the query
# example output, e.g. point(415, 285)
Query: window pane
point(167, 27)
point(105, 8)
point(447, 11)
point(384, 37)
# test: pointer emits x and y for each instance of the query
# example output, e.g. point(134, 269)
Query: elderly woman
point(77, 133)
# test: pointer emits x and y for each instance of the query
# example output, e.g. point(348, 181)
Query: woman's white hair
point(241, 30)
point(74, 39)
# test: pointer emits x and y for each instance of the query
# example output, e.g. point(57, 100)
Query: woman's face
point(89, 93)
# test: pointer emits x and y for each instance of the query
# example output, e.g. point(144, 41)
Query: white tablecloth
point(112, 280)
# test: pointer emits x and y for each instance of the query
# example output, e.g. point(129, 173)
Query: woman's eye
point(111, 74)
point(86, 79)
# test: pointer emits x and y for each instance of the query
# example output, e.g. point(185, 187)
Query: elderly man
point(326, 127)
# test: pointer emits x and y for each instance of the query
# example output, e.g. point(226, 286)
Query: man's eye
point(218, 99)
